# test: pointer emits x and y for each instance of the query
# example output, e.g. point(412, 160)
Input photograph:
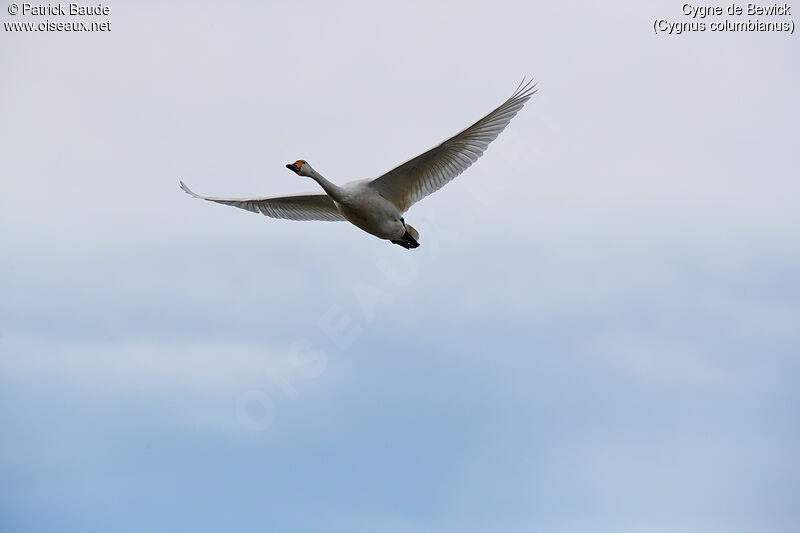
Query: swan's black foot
point(407, 242)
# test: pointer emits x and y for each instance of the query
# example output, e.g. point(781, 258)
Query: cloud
point(204, 385)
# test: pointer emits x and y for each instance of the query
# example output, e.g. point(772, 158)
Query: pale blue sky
point(598, 333)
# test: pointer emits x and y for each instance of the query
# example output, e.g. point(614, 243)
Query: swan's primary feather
point(428, 172)
point(294, 207)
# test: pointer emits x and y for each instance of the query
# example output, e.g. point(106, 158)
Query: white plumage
point(377, 205)
point(310, 206)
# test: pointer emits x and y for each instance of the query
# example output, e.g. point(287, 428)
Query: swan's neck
point(333, 190)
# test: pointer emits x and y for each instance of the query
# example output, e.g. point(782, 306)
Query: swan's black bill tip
point(293, 168)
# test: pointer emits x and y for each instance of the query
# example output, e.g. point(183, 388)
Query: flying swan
point(377, 206)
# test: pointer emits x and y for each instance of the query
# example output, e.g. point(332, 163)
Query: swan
point(377, 205)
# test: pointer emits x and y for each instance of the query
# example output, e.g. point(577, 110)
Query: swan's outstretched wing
point(295, 207)
point(417, 178)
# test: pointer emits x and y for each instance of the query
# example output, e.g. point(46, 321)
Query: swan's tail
point(410, 237)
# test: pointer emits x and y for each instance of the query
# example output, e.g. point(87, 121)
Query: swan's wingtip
point(526, 88)
point(186, 189)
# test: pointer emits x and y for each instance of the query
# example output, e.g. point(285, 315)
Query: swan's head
point(299, 167)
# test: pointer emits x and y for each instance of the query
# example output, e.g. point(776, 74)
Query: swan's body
point(369, 211)
point(377, 206)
